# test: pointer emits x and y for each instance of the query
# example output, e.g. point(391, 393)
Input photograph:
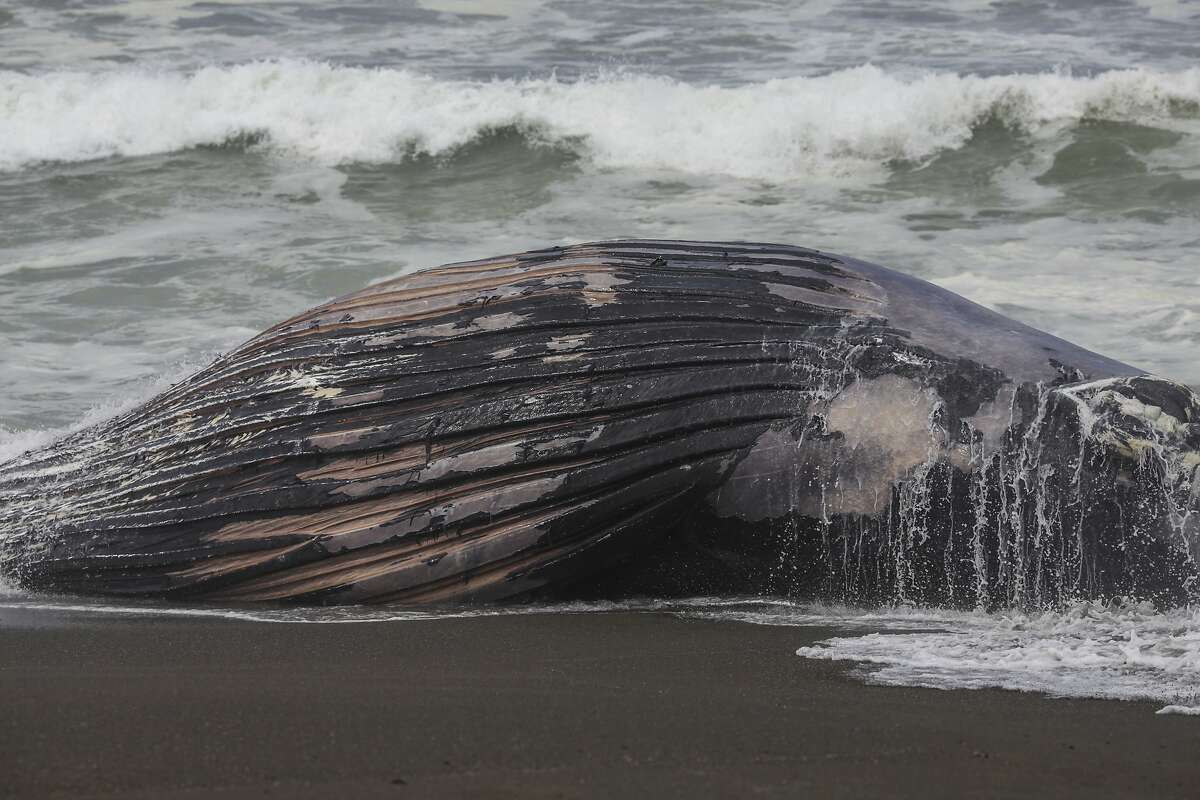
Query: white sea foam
point(16, 599)
point(15, 442)
point(1186, 711)
point(1089, 650)
point(842, 123)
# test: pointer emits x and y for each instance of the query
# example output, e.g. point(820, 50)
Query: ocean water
point(176, 175)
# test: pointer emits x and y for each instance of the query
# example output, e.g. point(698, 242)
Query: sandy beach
point(557, 705)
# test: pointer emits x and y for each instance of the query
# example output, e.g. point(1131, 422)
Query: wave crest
point(842, 123)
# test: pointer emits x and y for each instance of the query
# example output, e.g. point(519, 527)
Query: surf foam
point(14, 443)
point(1088, 650)
point(846, 122)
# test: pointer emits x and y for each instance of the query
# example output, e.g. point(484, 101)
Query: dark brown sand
point(597, 705)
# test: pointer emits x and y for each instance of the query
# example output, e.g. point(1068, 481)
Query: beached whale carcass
point(630, 416)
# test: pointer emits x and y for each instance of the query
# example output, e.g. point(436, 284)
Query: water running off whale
point(622, 417)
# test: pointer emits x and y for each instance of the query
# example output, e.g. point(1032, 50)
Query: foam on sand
point(1122, 652)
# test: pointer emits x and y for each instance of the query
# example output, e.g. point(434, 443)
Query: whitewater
point(848, 122)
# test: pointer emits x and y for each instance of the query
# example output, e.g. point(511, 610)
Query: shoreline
point(547, 705)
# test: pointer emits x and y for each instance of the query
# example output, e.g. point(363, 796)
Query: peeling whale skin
point(621, 417)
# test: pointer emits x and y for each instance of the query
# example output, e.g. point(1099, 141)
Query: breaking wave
point(843, 123)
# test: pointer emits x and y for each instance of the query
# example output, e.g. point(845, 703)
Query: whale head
point(1137, 481)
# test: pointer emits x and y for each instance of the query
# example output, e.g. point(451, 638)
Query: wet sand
point(595, 705)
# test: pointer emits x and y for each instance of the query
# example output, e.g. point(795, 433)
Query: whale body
point(639, 416)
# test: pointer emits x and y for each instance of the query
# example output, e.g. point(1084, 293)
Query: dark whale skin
point(627, 416)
